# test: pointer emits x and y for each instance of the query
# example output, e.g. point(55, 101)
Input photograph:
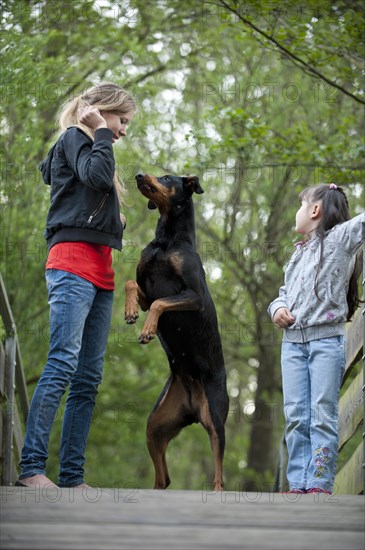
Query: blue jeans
point(312, 375)
point(80, 315)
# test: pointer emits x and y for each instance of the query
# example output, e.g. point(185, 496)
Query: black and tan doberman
point(171, 285)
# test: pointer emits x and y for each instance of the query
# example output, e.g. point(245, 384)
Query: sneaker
point(38, 481)
point(318, 490)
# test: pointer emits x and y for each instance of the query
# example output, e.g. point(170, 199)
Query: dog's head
point(167, 191)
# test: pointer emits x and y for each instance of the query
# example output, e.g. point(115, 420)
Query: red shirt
point(92, 262)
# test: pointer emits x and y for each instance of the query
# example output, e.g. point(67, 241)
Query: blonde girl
point(83, 225)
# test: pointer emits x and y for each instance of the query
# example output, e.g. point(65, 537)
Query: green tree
point(259, 100)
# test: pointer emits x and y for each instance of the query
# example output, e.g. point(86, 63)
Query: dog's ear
point(151, 205)
point(192, 183)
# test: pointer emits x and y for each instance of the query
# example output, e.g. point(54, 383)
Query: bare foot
point(39, 480)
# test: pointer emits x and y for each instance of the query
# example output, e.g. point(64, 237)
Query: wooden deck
point(136, 519)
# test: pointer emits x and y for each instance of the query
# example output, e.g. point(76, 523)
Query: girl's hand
point(91, 117)
point(283, 318)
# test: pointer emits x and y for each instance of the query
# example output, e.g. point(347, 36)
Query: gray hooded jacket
point(324, 315)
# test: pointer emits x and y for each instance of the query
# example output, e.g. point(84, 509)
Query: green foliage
point(216, 98)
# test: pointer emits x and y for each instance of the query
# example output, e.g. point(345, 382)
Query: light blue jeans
point(312, 375)
point(80, 315)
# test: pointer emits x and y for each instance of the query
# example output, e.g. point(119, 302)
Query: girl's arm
point(279, 311)
point(350, 233)
point(278, 302)
point(92, 162)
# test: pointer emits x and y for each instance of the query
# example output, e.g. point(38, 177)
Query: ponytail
point(335, 210)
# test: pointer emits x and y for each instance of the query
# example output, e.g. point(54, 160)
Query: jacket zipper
point(99, 207)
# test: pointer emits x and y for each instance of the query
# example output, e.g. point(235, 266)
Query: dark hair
point(335, 210)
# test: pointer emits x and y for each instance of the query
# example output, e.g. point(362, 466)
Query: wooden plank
point(1, 434)
point(349, 479)
point(2, 369)
point(21, 385)
point(146, 519)
point(354, 339)
point(7, 443)
point(350, 410)
point(18, 436)
point(5, 310)
point(166, 537)
point(10, 330)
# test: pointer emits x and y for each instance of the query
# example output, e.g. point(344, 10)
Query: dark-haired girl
point(319, 295)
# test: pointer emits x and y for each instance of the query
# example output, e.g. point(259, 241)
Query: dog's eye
point(166, 178)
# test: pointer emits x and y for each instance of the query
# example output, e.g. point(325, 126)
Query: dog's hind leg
point(171, 413)
point(213, 421)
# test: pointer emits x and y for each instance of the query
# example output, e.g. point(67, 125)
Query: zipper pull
point(99, 207)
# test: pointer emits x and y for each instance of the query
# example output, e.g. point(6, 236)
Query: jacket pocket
point(98, 208)
point(336, 294)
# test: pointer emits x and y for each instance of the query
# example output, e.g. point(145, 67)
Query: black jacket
point(84, 203)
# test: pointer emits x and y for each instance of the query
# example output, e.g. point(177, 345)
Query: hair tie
point(333, 186)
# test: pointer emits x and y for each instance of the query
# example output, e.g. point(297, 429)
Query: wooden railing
point(351, 478)
point(12, 385)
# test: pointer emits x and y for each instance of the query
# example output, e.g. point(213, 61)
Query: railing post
point(363, 357)
point(13, 374)
point(10, 350)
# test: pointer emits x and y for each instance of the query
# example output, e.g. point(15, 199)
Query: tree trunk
point(264, 437)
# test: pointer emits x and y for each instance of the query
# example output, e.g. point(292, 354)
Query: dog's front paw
point(145, 338)
point(149, 328)
point(131, 302)
point(131, 316)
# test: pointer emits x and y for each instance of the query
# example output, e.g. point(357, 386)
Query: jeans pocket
point(51, 277)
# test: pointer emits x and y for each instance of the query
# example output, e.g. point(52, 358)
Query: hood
point(45, 166)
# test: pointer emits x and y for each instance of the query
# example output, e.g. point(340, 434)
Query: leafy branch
point(290, 55)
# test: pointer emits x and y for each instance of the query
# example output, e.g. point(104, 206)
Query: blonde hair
point(105, 96)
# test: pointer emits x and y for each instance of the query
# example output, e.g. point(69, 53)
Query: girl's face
point(117, 123)
point(308, 217)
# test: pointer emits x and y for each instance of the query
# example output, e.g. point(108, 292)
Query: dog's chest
point(157, 273)
point(154, 261)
